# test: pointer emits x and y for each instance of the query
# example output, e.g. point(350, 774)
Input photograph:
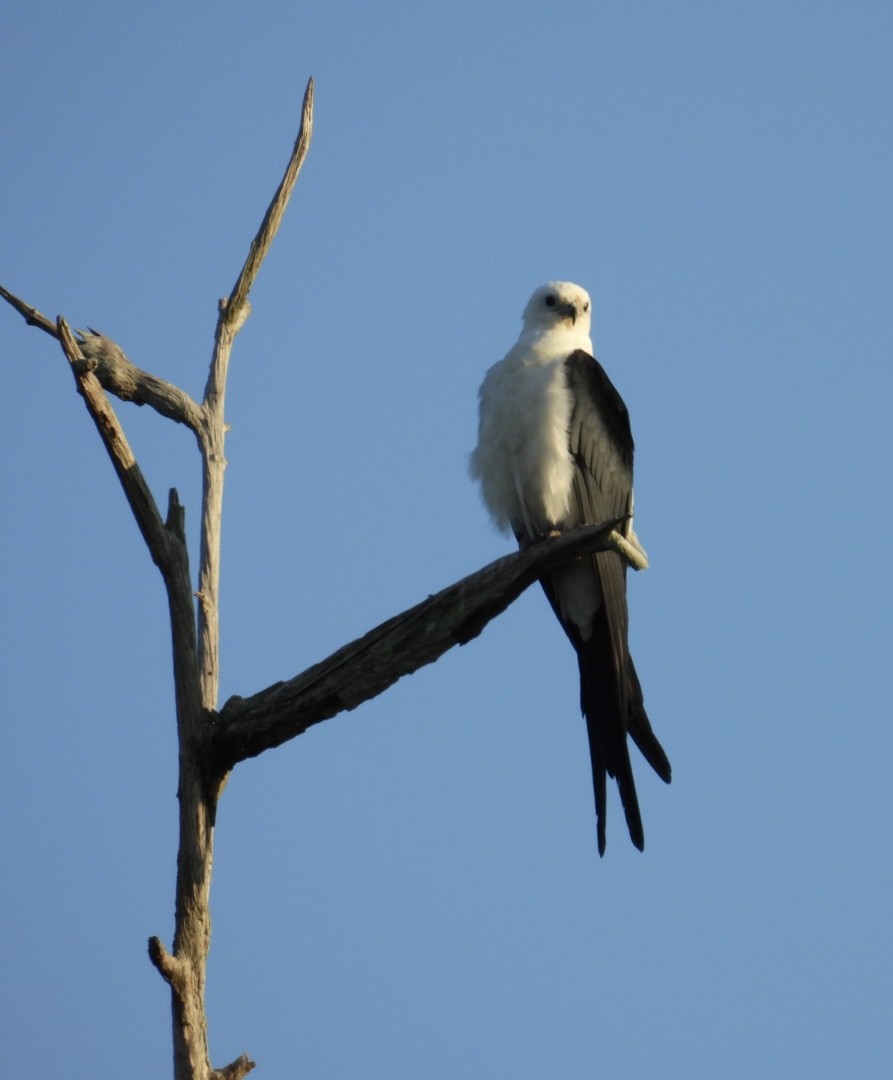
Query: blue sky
point(412, 890)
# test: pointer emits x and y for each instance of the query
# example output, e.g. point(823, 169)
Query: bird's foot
point(524, 542)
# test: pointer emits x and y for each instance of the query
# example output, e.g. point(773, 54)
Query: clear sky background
point(412, 890)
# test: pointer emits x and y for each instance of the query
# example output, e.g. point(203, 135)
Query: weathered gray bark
point(368, 666)
point(212, 743)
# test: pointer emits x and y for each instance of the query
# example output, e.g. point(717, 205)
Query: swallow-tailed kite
point(554, 452)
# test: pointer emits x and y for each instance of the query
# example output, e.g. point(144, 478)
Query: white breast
point(522, 460)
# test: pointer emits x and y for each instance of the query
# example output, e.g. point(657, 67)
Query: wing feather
point(601, 447)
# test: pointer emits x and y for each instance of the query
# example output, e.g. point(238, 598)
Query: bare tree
point(211, 741)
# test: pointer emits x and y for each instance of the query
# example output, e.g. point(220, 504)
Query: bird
point(554, 452)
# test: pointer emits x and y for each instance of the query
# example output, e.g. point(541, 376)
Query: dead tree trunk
point(211, 743)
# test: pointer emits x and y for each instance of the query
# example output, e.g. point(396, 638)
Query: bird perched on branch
point(554, 452)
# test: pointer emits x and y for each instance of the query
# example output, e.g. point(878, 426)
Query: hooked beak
point(568, 311)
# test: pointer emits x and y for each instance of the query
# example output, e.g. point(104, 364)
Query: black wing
point(601, 445)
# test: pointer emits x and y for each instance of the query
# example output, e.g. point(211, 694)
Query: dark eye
point(586, 306)
point(550, 300)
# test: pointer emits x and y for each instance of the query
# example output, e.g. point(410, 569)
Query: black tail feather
point(602, 706)
point(599, 758)
point(611, 700)
point(640, 729)
point(612, 711)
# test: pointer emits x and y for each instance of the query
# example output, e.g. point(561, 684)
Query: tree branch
point(30, 314)
point(363, 669)
point(185, 969)
point(115, 441)
point(114, 372)
point(167, 966)
point(232, 307)
point(235, 1071)
point(129, 383)
point(232, 314)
